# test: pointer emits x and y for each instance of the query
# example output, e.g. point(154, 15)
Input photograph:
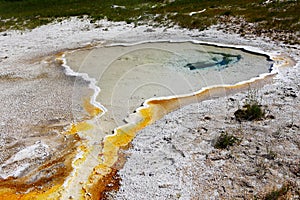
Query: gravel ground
point(173, 158)
point(36, 106)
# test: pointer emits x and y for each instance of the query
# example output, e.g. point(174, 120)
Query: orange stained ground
point(121, 138)
point(104, 174)
point(90, 108)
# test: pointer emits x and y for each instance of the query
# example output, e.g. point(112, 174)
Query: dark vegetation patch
point(225, 140)
point(251, 110)
point(287, 190)
point(279, 17)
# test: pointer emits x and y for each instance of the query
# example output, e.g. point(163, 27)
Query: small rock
point(295, 169)
point(151, 174)
point(204, 129)
point(149, 30)
point(294, 95)
point(168, 139)
point(270, 116)
point(207, 118)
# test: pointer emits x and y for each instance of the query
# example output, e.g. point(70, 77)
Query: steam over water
point(128, 75)
point(138, 84)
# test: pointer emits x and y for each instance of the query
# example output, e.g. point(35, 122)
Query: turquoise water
point(129, 74)
point(219, 61)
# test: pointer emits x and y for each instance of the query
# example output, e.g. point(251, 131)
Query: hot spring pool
point(129, 74)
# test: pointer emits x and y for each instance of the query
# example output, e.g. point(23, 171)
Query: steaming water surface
point(128, 75)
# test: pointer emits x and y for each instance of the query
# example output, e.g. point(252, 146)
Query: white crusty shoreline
point(19, 50)
point(269, 55)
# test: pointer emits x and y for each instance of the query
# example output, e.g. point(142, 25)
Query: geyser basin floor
point(128, 75)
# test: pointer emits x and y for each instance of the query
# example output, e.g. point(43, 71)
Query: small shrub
point(288, 190)
point(251, 110)
point(278, 193)
point(271, 155)
point(226, 13)
point(225, 140)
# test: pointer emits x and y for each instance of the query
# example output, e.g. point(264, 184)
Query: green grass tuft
point(276, 17)
point(225, 140)
point(252, 110)
point(277, 193)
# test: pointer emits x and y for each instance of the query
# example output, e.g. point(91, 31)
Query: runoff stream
point(136, 84)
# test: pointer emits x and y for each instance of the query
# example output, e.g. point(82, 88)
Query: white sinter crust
point(174, 157)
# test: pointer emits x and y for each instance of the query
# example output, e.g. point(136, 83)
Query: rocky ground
point(175, 157)
point(36, 107)
point(238, 25)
